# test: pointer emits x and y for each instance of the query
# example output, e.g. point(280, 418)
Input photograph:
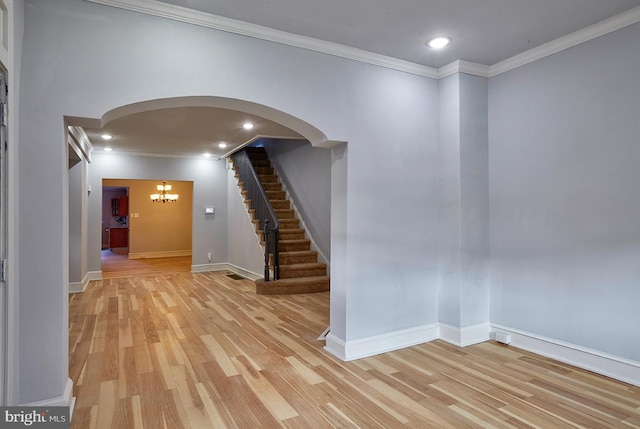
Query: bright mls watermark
point(34, 417)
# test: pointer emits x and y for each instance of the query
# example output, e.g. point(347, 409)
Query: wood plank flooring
point(186, 350)
point(116, 265)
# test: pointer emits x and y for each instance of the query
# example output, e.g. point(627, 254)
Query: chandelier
point(164, 195)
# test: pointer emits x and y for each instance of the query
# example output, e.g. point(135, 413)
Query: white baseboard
point(66, 400)
point(616, 367)
point(203, 268)
point(225, 266)
point(335, 346)
point(94, 275)
point(467, 336)
point(245, 273)
point(79, 287)
point(592, 360)
point(76, 287)
point(161, 254)
point(377, 344)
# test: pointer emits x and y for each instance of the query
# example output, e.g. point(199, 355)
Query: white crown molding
point(598, 29)
point(178, 13)
point(462, 66)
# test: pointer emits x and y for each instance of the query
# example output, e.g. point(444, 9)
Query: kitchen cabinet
point(118, 237)
point(120, 206)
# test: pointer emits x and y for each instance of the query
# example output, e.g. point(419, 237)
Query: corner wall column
point(464, 210)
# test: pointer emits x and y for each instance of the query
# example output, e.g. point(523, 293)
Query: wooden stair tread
point(291, 230)
point(270, 178)
point(280, 204)
point(315, 279)
point(278, 193)
point(299, 253)
point(303, 265)
point(297, 240)
point(300, 271)
point(298, 257)
point(293, 286)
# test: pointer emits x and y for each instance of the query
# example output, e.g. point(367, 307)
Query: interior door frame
point(3, 234)
point(9, 353)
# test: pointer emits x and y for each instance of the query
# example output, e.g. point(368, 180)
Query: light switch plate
point(208, 210)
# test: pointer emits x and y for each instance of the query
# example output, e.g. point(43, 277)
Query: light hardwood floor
point(115, 264)
point(186, 350)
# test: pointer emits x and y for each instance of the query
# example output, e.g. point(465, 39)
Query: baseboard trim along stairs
point(300, 271)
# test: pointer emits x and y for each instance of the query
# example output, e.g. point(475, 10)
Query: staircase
point(300, 271)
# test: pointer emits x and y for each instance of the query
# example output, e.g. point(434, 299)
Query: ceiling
point(482, 31)
point(185, 131)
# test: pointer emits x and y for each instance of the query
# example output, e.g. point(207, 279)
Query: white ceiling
point(185, 131)
point(483, 31)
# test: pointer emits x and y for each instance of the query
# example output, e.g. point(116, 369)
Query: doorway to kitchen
point(115, 219)
point(142, 232)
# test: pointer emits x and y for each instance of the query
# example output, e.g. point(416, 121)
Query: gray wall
point(209, 179)
point(13, 209)
point(389, 283)
point(78, 207)
point(306, 173)
point(243, 249)
point(449, 198)
point(474, 198)
point(75, 222)
point(392, 204)
point(562, 172)
point(565, 201)
point(464, 215)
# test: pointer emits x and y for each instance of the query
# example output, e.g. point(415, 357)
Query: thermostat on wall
point(208, 210)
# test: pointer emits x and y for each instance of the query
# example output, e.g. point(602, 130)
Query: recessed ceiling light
point(247, 125)
point(439, 42)
point(106, 136)
point(107, 149)
point(206, 155)
point(222, 145)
